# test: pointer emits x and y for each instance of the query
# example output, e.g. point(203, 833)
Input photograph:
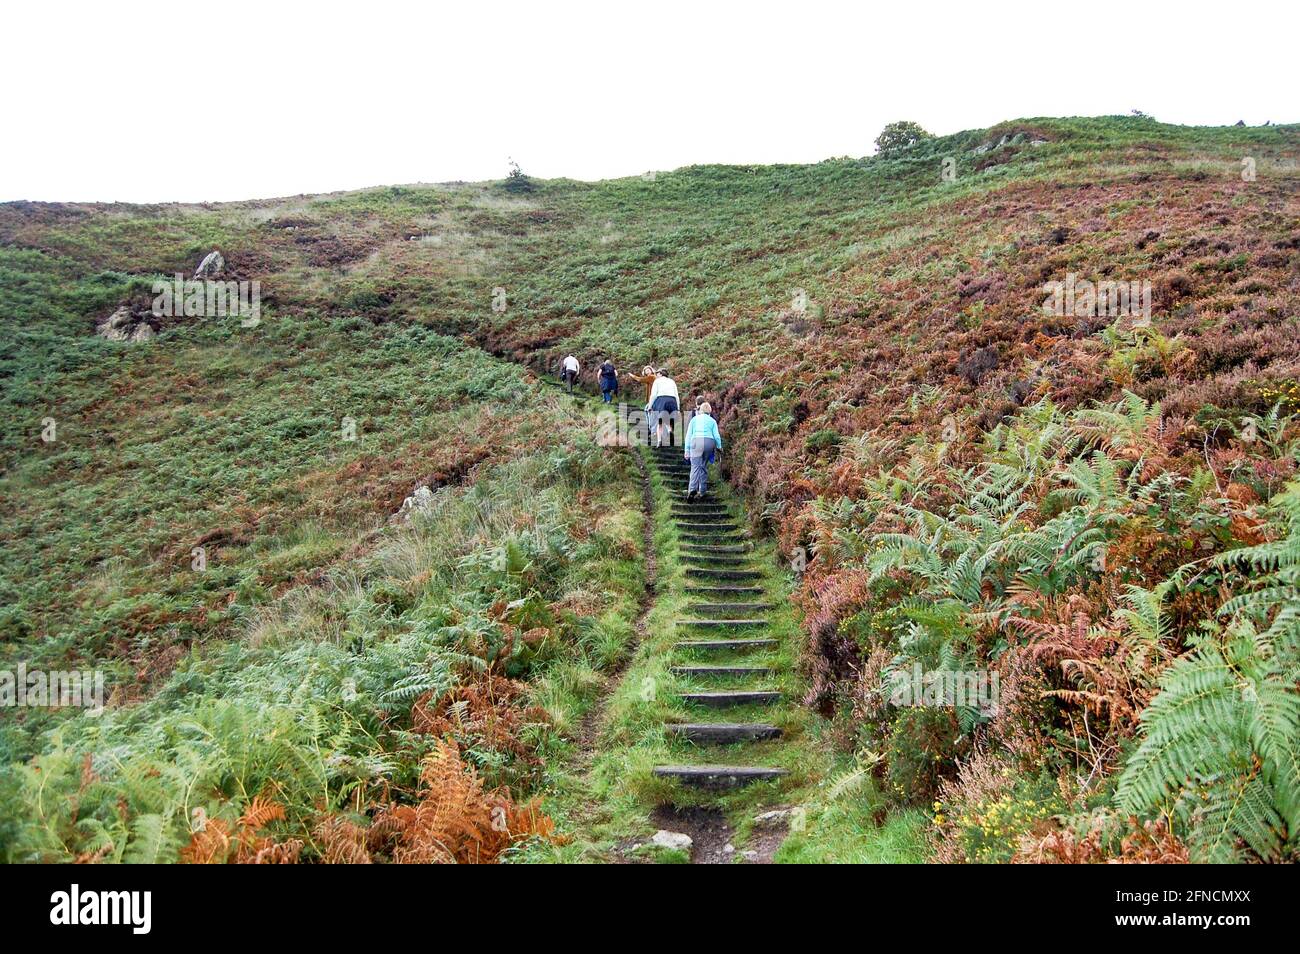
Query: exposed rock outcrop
point(212, 266)
point(129, 323)
point(674, 840)
point(421, 499)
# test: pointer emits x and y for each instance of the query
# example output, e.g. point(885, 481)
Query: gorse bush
point(517, 182)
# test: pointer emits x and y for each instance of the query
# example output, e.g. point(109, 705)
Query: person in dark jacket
point(608, 376)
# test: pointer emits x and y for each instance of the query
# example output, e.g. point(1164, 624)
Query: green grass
point(287, 658)
point(850, 835)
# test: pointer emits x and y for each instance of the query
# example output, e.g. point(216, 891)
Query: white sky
point(186, 101)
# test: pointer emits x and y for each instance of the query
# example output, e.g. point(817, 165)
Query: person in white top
point(663, 407)
point(569, 371)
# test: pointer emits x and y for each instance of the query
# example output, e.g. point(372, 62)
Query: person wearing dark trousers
point(663, 408)
point(569, 368)
point(608, 376)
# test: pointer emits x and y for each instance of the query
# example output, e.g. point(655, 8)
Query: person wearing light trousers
point(702, 441)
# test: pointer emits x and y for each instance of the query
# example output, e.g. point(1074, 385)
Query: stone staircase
point(727, 610)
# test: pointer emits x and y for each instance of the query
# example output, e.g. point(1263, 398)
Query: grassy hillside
point(1093, 508)
point(300, 678)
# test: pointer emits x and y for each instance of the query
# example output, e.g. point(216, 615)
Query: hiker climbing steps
point(728, 612)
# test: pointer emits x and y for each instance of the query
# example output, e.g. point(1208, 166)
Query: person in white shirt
point(663, 407)
point(569, 371)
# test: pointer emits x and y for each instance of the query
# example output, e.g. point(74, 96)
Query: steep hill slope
point(289, 671)
point(1066, 499)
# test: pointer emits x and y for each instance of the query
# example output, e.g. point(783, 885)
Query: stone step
point(719, 776)
point(703, 509)
point(706, 527)
point(708, 671)
point(722, 562)
point(722, 623)
point(721, 733)
point(725, 590)
point(725, 700)
point(723, 645)
point(729, 607)
point(704, 573)
point(705, 549)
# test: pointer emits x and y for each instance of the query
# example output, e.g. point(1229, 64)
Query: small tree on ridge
point(896, 137)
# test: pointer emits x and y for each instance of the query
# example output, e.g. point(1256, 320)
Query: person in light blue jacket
point(702, 441)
